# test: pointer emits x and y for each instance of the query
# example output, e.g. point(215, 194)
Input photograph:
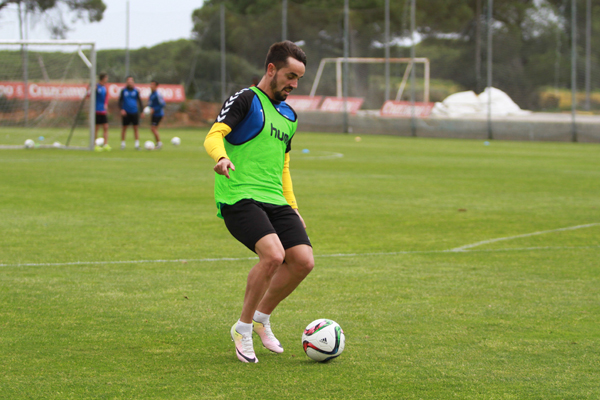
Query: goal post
point(47, 93)
point(339, 61)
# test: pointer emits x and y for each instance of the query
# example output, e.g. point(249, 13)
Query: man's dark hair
point(153, 81)
point(102, 76)
point(279, 53)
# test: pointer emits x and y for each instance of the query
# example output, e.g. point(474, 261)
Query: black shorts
point(101, 119)
point(131, 119)
point(156, 120)
point(249, 221)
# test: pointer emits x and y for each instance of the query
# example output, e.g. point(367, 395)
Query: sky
point(150, 23)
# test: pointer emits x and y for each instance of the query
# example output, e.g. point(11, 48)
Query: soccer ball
point(175, 141)
point(57, 145)
point(149, 145)
point(323, 340)
point(147, 110)
point(29, 144)
point(100, 141)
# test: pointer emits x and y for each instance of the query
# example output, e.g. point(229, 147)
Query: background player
point(102, 108)
point(250, 142)
point(130, 104)
point(157, 105)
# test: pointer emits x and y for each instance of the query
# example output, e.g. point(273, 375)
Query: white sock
point(122, 143)
point(137, 143)
point(261, 317)
point(243, 328)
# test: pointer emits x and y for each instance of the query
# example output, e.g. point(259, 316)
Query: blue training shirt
point(130, 100)
point(101, 99)
point(243, 113)
point(157, 103)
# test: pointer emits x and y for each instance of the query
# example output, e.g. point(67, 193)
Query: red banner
point(403, 109)
point(171, 93)
point(42, 91)
point(304, 103)
point(336, 104)
point(58, 91)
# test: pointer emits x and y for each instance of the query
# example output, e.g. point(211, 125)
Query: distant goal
point(44, 88)
point(372, 86)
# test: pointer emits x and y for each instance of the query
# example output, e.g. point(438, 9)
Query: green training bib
point(258, 162)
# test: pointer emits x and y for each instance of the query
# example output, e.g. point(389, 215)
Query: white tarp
point(469, 104)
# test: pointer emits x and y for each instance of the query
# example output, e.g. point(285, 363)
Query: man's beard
point(279, 95)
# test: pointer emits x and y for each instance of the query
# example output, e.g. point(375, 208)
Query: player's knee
point(305, 265)
point(272, 261)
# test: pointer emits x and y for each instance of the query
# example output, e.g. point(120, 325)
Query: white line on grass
point(391, 253)
point(325, 155)
point(570, 228)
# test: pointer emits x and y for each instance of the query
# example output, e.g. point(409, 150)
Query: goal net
point(44, 94)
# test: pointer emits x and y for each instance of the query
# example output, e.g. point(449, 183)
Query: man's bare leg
point(105, 134)
point(154, 130)
point(123, 131)
point(271, 254)
point(299, 262)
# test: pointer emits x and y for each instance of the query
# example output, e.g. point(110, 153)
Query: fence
point(401, 67)
point(538, 58)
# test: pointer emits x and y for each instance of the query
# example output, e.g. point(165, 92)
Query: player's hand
point(123, 112)
point(223, 167)
point(301, 219)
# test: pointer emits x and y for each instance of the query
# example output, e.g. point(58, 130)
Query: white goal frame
point(91, 64)
point(373, 60)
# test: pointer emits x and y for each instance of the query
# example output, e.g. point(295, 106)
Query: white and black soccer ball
point(175, 141)
point(149, 145)
point(147, 110)
point(29, 144)
point(323, 340)
point(100, 141)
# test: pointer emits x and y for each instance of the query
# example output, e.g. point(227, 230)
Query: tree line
point(531, 43)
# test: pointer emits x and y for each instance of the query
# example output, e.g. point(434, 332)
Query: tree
point(531, 38)
point(53, 12)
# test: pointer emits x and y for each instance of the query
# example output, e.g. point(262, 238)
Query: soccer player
point(102, 109)
point(250, 143)
point(130, 104)
point(156, 104)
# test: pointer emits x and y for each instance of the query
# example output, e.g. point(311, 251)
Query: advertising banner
point(402, 109)
point(304, 103)
point(336, 104)
point(60, 91)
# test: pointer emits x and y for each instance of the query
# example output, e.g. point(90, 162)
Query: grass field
point(114, 282)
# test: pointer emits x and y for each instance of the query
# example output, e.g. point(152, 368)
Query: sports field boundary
point(570, 228)
point(339, 255)
point(462, 249)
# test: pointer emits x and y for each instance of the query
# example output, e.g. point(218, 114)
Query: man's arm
point(121, 99)
point(139, 99)
point(288, 188)
point(214, 141)
point(106, 100)
point(216, 149)
point(234, 110)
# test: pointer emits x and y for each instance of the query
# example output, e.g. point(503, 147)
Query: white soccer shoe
point(266, 336)
point(244, 349)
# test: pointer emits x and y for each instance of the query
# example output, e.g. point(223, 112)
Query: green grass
point(47, 136)
point(513, 319)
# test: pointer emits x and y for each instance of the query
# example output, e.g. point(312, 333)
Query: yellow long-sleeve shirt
point(216, 149)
